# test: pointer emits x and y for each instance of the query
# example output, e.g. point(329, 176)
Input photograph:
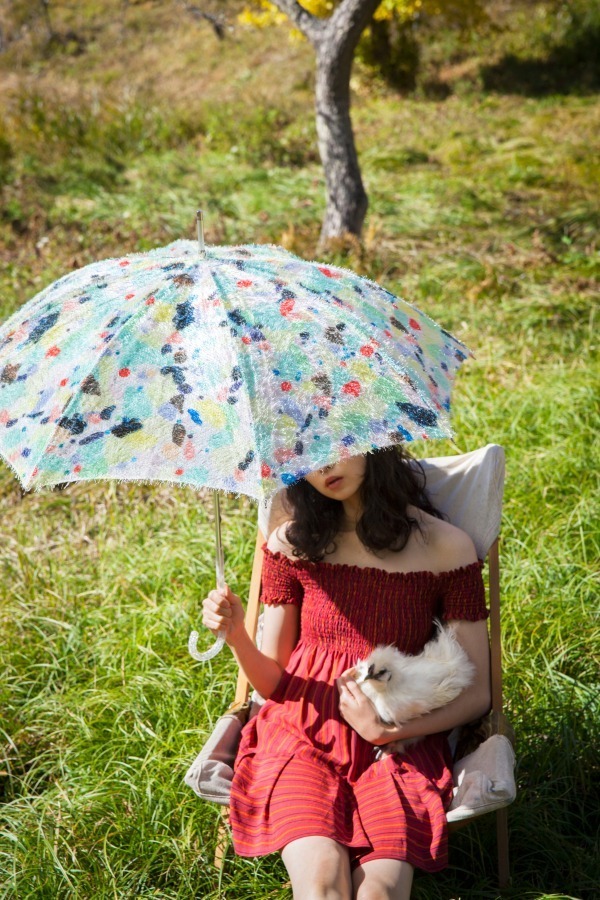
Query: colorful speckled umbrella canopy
point(241, 370)
point(235, 368)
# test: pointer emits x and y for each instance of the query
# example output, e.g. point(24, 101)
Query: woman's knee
point(383, 879)
point(378, 892)
point(319, 869)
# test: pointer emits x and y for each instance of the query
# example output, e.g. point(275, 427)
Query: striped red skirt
point(288, 785)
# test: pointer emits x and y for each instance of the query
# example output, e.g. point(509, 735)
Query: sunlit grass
point(484, 213)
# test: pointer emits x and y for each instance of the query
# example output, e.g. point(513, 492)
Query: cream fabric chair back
point(468, 489)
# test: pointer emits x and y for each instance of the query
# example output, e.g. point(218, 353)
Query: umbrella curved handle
point(208, 654)
point(220, 566)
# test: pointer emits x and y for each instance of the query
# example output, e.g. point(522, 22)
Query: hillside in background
point(87, 89)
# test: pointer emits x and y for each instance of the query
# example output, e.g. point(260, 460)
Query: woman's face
point(340, 481)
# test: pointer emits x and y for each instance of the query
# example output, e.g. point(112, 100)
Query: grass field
point(483, 212)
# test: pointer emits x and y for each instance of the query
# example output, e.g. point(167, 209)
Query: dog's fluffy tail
point(447, 657)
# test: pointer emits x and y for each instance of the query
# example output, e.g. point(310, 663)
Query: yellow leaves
point(458, 12)
point(262, 15)
point(319, 8)
point(401, 10)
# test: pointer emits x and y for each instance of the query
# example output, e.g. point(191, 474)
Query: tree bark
point(334, 41)
point(347, 200)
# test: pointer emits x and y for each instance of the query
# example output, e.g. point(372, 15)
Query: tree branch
point(218, 24)
point(311, 26)
point(341, 30)
point(348, 21)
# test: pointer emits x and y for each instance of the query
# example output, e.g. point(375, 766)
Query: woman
point(363, 560)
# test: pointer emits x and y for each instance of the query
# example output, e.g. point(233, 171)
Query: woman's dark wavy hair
point(393, 481)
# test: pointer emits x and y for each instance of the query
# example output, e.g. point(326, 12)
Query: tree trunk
point(335, 40)
point(346, 197)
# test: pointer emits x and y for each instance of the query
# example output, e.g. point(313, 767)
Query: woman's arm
point(223, 610)
point(264, 667)
point(473, 702)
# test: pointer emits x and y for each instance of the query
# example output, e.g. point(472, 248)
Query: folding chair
point(468, 490)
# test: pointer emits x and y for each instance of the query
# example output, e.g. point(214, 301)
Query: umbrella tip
point(200, 230)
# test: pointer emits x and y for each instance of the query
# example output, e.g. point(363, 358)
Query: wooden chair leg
point(222, 839)
point(503, 859)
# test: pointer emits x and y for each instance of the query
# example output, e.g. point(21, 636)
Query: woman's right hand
point(223, 611)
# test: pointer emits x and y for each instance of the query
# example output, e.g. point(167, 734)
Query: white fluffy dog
point(401, 687)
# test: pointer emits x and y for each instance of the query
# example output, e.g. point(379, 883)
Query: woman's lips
point(333, 481)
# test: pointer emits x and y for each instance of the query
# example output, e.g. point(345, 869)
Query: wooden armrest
point(252, 611)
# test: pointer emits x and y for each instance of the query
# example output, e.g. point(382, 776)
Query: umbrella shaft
point(220, 562)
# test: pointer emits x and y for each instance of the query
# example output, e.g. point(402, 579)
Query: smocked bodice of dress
point(350, 609)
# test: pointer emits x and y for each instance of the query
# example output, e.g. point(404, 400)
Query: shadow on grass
point(553, 824)
point(572, 67)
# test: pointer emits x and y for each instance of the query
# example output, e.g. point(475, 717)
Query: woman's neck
point(352, 512)
point(347, 526)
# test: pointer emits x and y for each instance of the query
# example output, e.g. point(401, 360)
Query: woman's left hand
point(358, 711)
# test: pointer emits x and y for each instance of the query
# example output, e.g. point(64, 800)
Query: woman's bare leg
point(319, 869)
point(383, 879)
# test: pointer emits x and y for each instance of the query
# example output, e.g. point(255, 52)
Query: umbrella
point(234, 368)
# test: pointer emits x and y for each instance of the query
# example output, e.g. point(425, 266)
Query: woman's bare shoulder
point(452, 546)
point(278, 542)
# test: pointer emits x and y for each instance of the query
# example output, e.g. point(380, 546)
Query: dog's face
point(375, 670)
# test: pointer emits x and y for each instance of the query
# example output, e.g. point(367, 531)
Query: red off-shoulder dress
point(301, 770)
